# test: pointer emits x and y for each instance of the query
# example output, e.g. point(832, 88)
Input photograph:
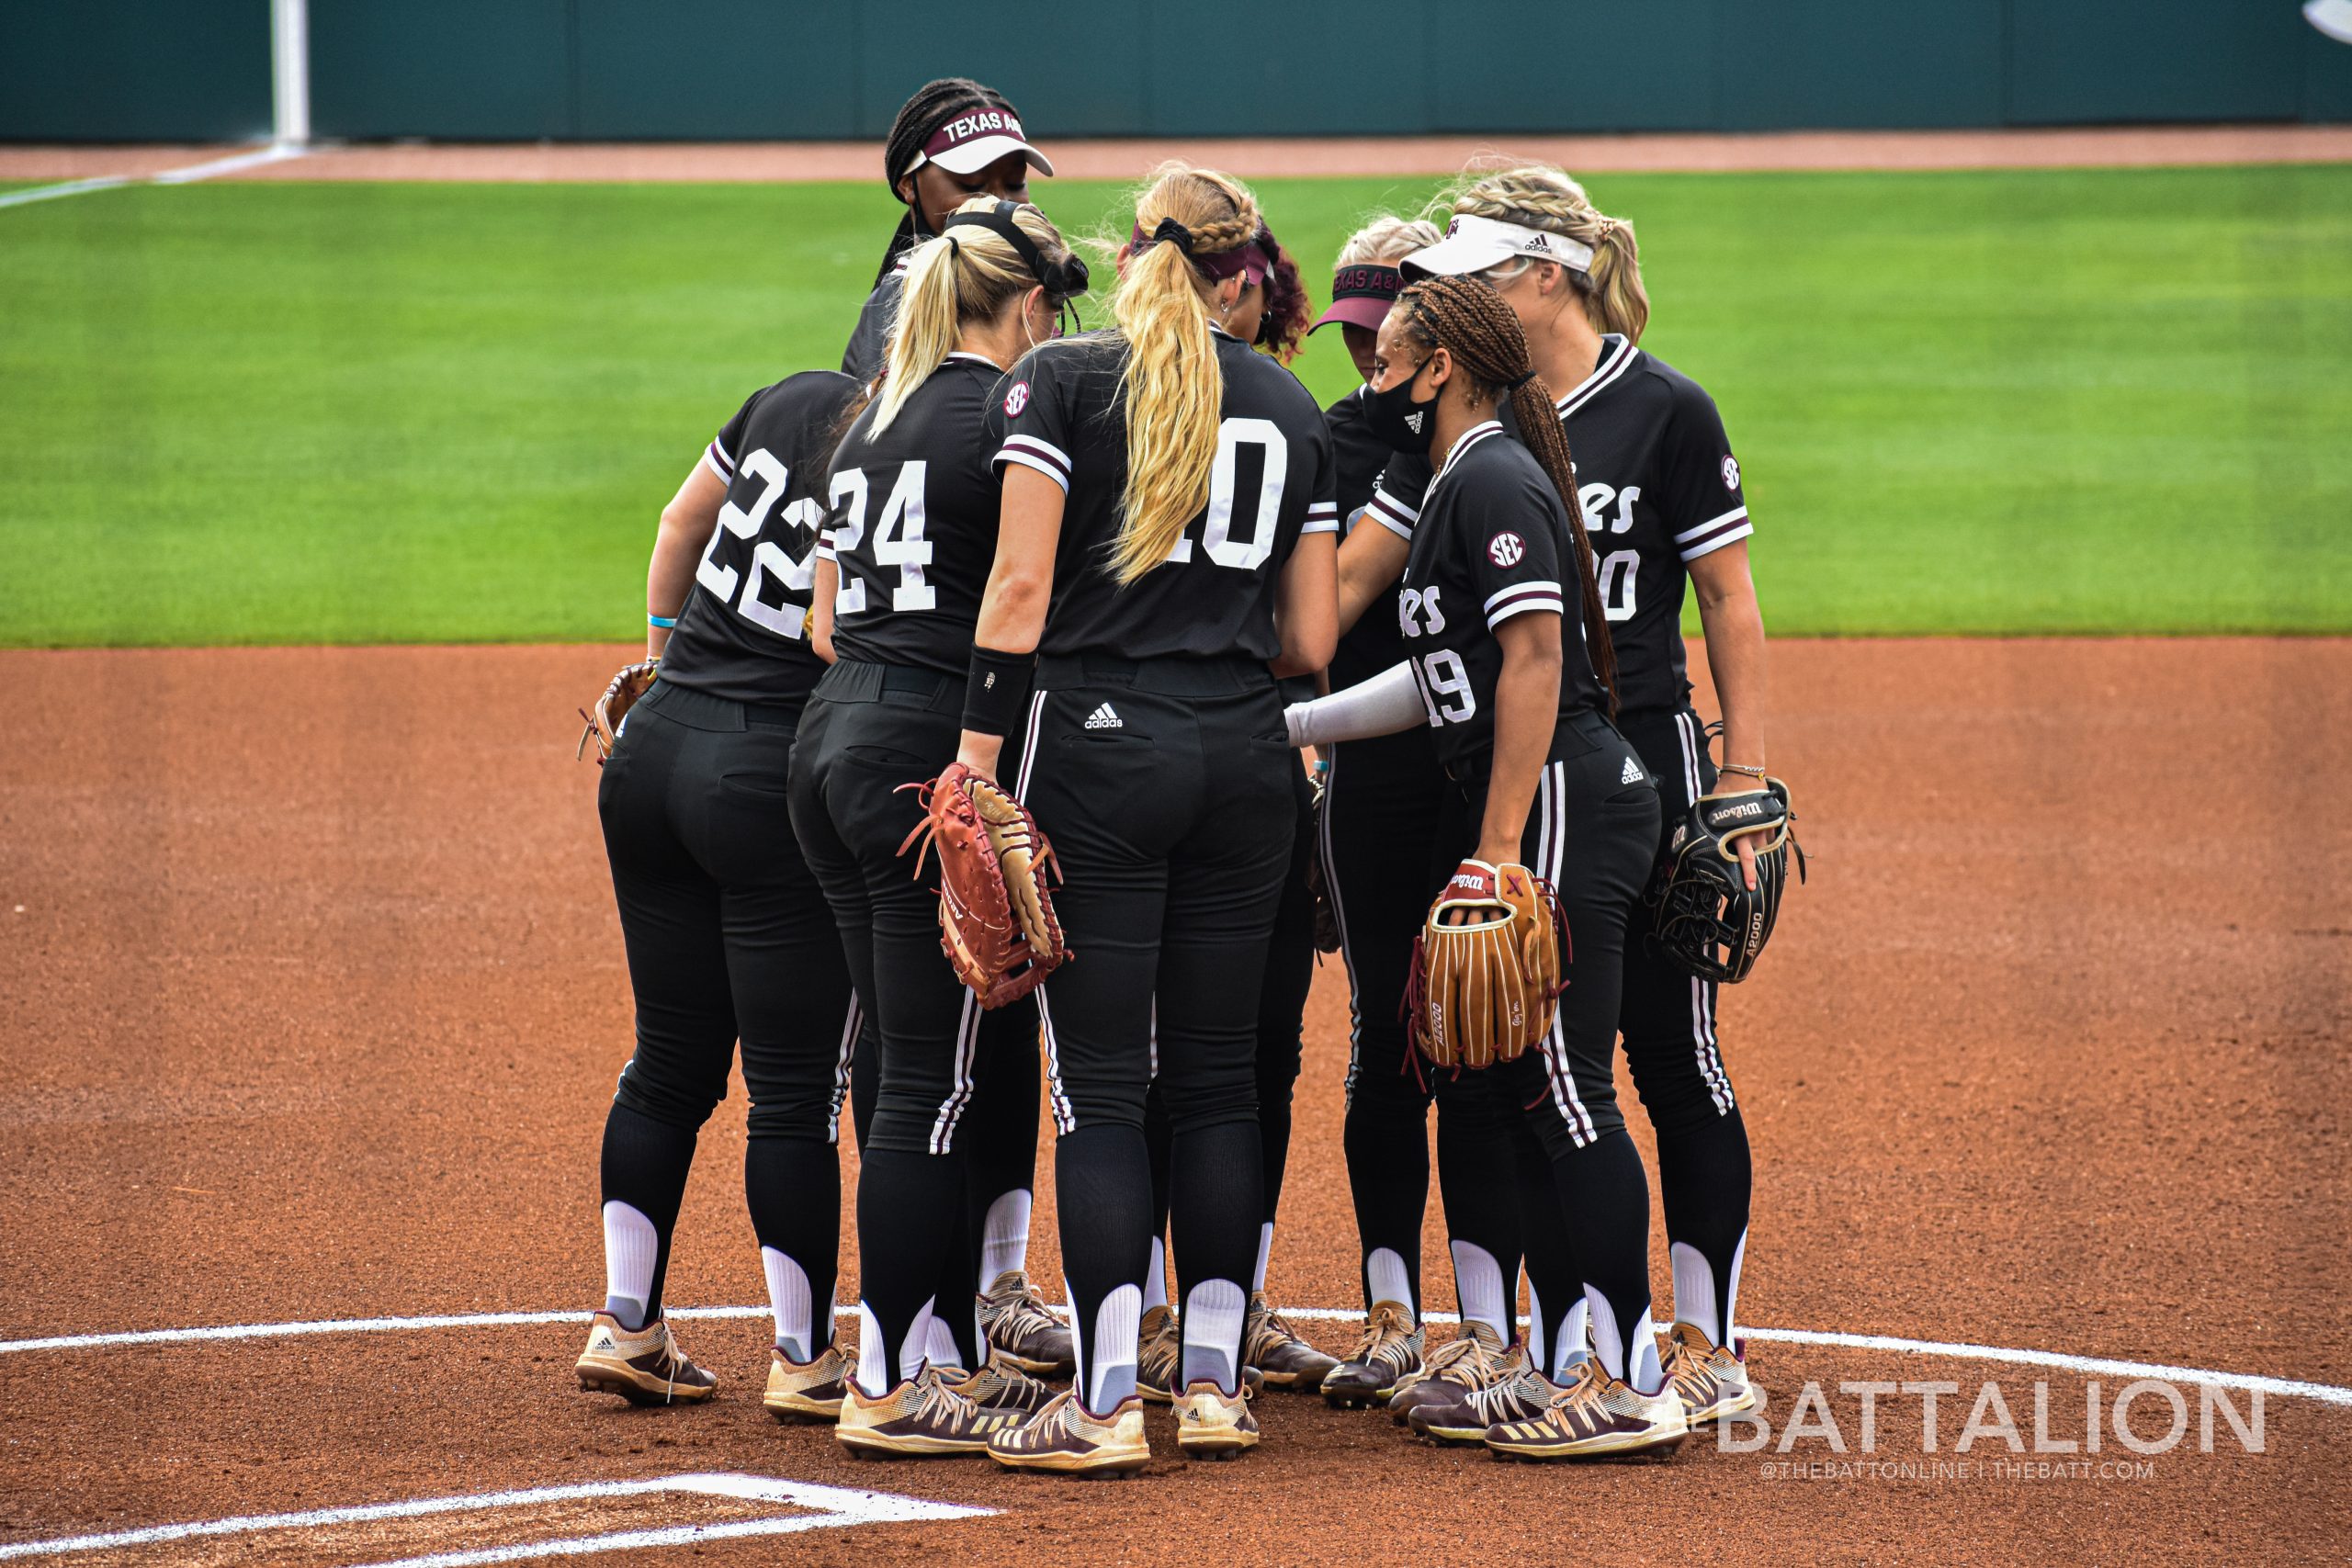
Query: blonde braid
point(1538, 197)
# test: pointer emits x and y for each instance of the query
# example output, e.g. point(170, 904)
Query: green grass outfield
point(2005, 402)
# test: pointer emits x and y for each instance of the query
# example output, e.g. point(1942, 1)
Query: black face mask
point(1399, 419)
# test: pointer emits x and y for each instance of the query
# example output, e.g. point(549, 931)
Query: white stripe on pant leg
point(1340, 917)
point(959, 1092)
point(850, 1026)
point(1552, 800)
point(1055, 1099)
point(1029, 747)
point(1547, 858)
point(1684, 724)
point(1703, 1037)
point(1059, 1102)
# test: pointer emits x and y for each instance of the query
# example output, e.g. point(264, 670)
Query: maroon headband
point(1369, 281)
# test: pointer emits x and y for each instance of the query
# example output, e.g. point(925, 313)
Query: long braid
point(1472, 322)
point(933, 105)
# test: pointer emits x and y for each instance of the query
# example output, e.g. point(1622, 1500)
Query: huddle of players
point(1082, 566)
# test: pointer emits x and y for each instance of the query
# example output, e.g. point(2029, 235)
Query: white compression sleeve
point(1389, 702)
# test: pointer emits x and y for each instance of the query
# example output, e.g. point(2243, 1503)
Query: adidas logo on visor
point(1103, 718)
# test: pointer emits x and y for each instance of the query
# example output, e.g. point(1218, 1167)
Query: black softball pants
point(1705, 1172)
point(1167, 789)
point(1282, 1014)
point(1384, 806)
point(1592, 834)
point(944, 1064)
point(728, 940)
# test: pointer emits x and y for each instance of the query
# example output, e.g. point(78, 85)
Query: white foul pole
point(290, 40)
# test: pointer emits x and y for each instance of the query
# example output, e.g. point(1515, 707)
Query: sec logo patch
point(1731, 472)
point(1018, 398)
point(1506, 549)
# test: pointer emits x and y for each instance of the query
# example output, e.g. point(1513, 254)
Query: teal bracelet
point(664, 621)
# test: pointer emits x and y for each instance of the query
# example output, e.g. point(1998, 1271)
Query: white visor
point(972, 140)
point(973, 156)
point(1474, 244)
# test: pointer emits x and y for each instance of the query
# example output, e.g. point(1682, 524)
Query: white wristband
point(1388, 702)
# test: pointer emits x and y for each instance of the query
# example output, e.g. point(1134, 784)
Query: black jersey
point(913, 523)
point(742, 634)
point(1492, 543)
point(1274, 480)
point(1379, 487)
point(869, 340)
point(1659, 487)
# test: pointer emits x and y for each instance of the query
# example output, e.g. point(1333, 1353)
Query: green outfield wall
point(498, 70)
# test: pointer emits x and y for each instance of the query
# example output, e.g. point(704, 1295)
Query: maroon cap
point(1361, 296)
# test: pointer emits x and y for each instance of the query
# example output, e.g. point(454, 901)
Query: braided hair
point(933, 105)
point(1539, 196)
point(1474, 324)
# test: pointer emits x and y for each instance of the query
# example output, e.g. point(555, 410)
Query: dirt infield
point(315, 999)
point(1256, 158)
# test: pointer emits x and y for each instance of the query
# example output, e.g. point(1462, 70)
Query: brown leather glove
point(605, 725)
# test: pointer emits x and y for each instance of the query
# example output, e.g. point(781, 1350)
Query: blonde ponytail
point(969, 275)
point(1171, 386)
point(923, 330)
point(1538, 197)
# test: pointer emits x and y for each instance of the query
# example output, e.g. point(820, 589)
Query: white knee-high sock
point(1214, 1312)
point(1478, 1282)
point(631, 1247)
point(1539, 1355)
point(1110, 1365)
point(1004, 1239)
point(1265, 1255)
point(1385, 1275)
point(796, 1332)
point(939, 1346)
point(1632, 1359)
point(1155, 1279)
point(1576, 1341)
point(879, 1371)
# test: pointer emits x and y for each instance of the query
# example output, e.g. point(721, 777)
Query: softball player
point(899, 593)
point(1660, 490)
point(726, 932)
point(1168, 532)
point(1512, 678)
point(1271, 314)
point(952, 141)
point(1383, 792)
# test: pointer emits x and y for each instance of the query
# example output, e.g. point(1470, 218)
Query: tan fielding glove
point(1486, 966)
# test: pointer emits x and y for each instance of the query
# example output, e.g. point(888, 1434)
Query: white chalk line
point(276, 153)
point(71, 187)
point(833, 1507)
point(2288, 1388)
